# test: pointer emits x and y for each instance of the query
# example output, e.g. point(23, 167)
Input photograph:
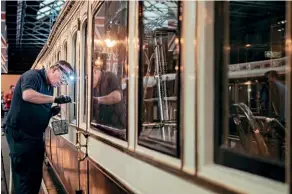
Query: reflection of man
point(107, 97)
point(275, 94)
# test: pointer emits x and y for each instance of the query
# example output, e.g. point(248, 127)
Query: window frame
point(58, 57)
point(227, 178)
point(65, 50)
point(256, 165)
point(108, 131)
point(176, 152)
point(75, 67)
point(83, 53)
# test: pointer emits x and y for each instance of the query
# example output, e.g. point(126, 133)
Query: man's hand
point(95, 100)
point(55, 110)
point(62, 99)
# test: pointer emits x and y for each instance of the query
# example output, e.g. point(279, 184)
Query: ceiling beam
point(31, 43)
point(36, 30)
point(37, 38)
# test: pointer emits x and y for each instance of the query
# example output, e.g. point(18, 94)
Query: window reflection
point(159, 69)
point(257, 90)
point(84, 76)
point(109, 84)
point(73, 85)
point(58, 88)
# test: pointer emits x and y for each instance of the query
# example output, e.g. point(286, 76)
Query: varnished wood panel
point(64, 160)
point(99, 183)
point(93, 179)
point(47, 143)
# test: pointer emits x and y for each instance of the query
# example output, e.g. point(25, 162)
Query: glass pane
point(257, 89)
point(160, 72)
point(84, 41)
point(72, 85)
point(58, 88)
point(110, 75)
point(65, 51)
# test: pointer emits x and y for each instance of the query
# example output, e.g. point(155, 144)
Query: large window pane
point(254, 138)
point(159, 75)
point(109, 69)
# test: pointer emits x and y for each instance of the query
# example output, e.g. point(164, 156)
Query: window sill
point(118, 133)
point(158, 146)
point(112, 139)
point(160, 157)
point(73, 123)
point(241, 181)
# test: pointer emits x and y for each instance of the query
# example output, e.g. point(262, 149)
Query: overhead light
point(247, 83)
point(279, 30)
point(109, 43)
point(247, 45)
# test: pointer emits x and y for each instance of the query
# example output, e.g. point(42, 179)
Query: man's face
point(58, 77)
point(270, 78)
point(12, 89)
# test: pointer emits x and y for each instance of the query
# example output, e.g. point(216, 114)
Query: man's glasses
point(66, 76)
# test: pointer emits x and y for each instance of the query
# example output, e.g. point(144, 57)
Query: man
point(276, 95)
point(28, 119)
point(107, 97)
point(8, 97)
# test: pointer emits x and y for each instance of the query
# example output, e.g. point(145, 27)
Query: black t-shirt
point(111, 115)
point(31, 119)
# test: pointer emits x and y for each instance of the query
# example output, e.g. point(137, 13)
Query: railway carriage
point(189, 75)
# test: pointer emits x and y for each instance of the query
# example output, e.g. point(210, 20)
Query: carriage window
point(109, 69)
point(65, 58)
point(58, 57)
point(84, 81)
point(65, 52)
point(159, 76)
point(251, 137)
point(72, 85)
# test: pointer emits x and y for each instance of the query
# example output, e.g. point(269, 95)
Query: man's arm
point(32, 96)
point(30, 84)
point(112, 98)
point(115, 96)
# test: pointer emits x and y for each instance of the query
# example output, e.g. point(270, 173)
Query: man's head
point(12, 87)
point(60, 73)
point(97, 68)
point(272, 76)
